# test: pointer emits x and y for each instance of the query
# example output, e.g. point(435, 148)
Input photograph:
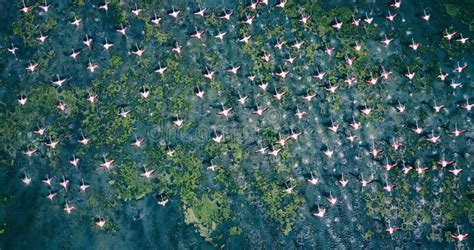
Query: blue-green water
point(243, 203)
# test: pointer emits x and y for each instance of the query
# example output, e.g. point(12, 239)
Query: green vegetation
point(233, 231)
point(181, 174)
point(80, 2)
point(282, 209)
point(222, 149)
point(452, 9)
point(207, 213)
point(115, 62)
point(24, 27)
point(412, 213)
point(212, 201)
point(3, 227)
point(128, 183)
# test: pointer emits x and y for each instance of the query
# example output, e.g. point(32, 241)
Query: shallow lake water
point(251, 200)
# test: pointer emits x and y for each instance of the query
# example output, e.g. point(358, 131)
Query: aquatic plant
point(128, 183)
point(383, 205)
point(452, 9)
point(229, 191)
point(207, 213)
point(233, 231)
point(282, 209)
point(24, 27)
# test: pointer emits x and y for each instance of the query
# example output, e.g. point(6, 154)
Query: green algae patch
point(221, 203)
point(445, 209)
point(3, 227)
point(207, 214)
point(281, 208)
point(452, 9)
point(128, 183)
